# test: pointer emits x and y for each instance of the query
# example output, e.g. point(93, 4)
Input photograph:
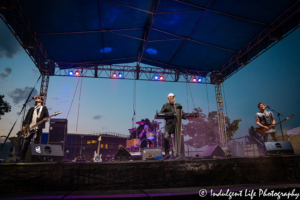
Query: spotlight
point(77, 73)
point(114, 75)
point(156, 77)
point(199, 80)
point(71, 73)
point(161, 78)
point(194, 80)
point(120, 75)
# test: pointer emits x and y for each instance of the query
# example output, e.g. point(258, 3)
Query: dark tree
point(204, 129)
point(4, 106)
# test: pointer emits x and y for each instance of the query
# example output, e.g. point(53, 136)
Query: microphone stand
point(278, 114)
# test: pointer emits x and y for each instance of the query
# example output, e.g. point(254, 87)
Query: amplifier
point(58, 129)
point(44, 153)
point(150, 152)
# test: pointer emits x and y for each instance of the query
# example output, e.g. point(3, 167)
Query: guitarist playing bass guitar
point(34, 115)
point(264, 119)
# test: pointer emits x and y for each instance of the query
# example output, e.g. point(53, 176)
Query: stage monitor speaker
point(44, 153)
point(211, 151)
point(150, 152)
point(282, 147)
point(123, 155)
point(58, 131)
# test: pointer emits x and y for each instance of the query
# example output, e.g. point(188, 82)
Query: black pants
point(166, 141)
point(37, 140)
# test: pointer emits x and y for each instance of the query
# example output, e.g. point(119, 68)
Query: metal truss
point(287, 22)
point(44, 87)
point(135, 73)
point(221, 115)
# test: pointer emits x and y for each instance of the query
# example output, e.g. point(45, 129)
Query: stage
point(143, 175)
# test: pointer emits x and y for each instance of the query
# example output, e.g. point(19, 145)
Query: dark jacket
point(29, 116)
point(170, 123)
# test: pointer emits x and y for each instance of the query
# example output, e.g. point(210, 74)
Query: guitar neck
point(98, 147)
point(36, 124)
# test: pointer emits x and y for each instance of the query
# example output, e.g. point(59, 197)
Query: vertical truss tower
point(217, 79)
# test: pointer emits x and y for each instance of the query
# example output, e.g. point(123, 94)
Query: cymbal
point(156, 122)
point(141, 122)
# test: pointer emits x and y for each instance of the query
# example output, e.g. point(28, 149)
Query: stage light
point(120, 75)
point(199, 80)
point(194, 80)
point(114, 75)
point(77, 73)
point(71, 73)
point(156, 77)
point(161, 78)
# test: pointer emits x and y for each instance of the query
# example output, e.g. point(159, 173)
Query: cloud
point(34, 71)
point(19, 95)
point(97, 117)
point(7, 72)
point(9, 46)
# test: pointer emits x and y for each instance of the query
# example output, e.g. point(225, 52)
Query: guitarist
point(264, 119)
point(34, 115)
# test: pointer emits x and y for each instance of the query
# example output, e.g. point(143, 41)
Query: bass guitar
point(32, 129)
point(263, 131)
point(97, 157)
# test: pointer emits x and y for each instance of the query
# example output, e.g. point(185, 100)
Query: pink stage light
point(161, 78)
point(77, 73)
point(114, 75)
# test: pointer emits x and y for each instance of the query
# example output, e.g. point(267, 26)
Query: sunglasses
point(38, 98)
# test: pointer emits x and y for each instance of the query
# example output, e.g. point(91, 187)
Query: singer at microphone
point(169, 107)
point(266, 120)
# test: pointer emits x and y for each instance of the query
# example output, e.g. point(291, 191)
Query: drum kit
point(153, 139)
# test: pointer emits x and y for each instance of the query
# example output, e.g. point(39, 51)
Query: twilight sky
point(107, 105)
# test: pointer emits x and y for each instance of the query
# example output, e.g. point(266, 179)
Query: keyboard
point(172, 115)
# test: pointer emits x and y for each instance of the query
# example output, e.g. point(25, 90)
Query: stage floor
point(167, 193)
point(143, 175)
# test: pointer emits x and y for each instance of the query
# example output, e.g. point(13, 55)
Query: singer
point(171, 107)
point(264, 119)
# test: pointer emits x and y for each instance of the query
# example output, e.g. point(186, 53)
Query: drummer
point(144, 132)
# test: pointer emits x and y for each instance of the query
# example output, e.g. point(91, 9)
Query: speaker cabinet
point(44, 153)
point(282, 147)
point(123, 155)
point(58, 129)
point(211, 151)
point(150, 152)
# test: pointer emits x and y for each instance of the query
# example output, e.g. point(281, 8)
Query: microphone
point(173, 97)
point(268, 106)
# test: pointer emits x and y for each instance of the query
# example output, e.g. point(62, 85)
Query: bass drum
point(146, 143)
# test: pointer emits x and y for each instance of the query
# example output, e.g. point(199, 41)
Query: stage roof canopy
point(200, 35)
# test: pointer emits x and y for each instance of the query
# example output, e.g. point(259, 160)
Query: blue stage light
point(120, 75)
point(156, 77)
point(71, 73)
point(199, 80)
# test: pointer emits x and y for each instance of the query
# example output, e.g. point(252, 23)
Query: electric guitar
point(97, 157)
point(263, 131)
point(32, 129)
